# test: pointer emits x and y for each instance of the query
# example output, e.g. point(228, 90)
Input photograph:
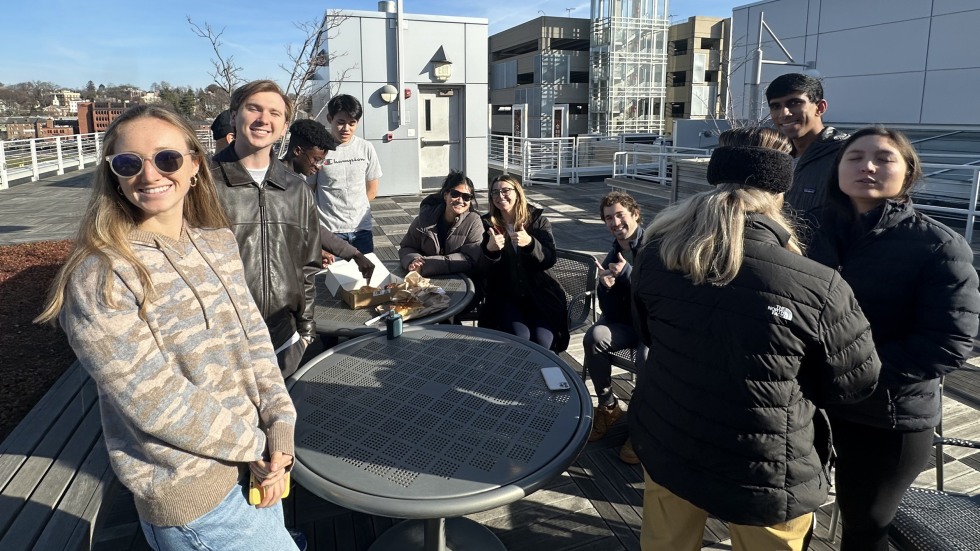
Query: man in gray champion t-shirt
point(348, 179)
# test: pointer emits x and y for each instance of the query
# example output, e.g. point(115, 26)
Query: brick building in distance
point(26, 128)
point(96, 116)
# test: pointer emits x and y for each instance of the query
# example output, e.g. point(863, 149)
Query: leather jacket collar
point(235, 173)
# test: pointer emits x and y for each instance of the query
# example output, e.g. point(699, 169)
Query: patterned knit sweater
point(192, 393)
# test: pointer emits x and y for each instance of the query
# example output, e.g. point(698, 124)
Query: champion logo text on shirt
point(340, 161)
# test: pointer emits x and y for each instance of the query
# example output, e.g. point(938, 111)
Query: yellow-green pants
point(673, 524)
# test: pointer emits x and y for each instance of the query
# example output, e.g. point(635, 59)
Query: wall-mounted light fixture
point(388, 93)
point(442, 68)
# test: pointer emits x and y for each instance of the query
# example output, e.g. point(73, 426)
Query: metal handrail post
point(575, 167)
point(78, 148)
point(558, 164)
point(506, 153)
point(3, 167)
point(35, 173)
point(61, 159)
point(972, 215)
point(525, 155)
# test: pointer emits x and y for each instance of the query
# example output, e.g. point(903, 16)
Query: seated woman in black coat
point(747, 339)
point(522, 298)
point(445, 237)
point(915, 281)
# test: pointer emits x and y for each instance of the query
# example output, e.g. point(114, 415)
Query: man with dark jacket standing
point(272, 213)
point(309, 142)
point(796, 106)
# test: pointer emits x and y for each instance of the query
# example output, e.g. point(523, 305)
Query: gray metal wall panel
point(951, 97)
point(947, 42)
point(377, 37)
point(400, 165)
point(893, 98)
point(477, 54)
point(475, 156)
point(837, 15)
point(881, 49)
point(475, 109)
point(942, 7)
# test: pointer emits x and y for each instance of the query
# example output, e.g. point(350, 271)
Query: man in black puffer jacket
point(725, 418)
point(797, 107)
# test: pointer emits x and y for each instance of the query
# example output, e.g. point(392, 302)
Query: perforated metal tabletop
point(334, 317)
point(441, 422)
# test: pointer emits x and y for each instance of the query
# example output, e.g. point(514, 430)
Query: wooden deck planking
point(964, 383)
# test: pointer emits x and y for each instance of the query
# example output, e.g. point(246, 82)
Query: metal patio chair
point(936, 520)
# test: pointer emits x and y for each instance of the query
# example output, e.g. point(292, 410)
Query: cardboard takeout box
point(343, 280)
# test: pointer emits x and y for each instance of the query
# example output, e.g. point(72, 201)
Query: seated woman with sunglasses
point(155, 305)
point(445, 237)
point(522, 298)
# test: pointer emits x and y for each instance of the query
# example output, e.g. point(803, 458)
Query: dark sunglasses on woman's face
point(456, 194)
point(129, 165)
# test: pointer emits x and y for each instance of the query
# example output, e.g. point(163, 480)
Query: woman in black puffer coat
point(915, 281)
point(747, 339)
point(522, 297)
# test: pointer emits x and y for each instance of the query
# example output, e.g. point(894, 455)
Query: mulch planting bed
point(32, 356)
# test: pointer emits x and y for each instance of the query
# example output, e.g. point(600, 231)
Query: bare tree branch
point(311, 55)
point(226, 73)
point(306, 58)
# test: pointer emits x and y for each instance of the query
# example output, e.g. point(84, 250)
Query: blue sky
point(126, 42)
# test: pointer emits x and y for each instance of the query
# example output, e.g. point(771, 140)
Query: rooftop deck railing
point(36, 157)
point(947, 192)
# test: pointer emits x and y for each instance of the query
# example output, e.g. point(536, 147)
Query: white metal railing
point(949, 191)
point(20, 159)
point(32, 158)
point(652, 164)
point(554, 160)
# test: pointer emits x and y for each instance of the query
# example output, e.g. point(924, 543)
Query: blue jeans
point(233, 525)
point(363, 240)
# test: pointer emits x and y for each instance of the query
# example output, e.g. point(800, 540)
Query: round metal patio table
point(441, 422)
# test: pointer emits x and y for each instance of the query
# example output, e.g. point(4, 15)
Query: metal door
point(441, 131)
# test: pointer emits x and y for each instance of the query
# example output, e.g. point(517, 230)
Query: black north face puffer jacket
point(725, 415)
point(915, 281)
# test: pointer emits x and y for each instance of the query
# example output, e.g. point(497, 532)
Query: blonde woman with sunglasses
point(522, 297)
point(445, 237)
point(154, 302)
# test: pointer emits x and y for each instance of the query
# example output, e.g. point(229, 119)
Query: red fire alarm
point(408, 93)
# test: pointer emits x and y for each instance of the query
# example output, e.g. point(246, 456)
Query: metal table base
point(454, 534)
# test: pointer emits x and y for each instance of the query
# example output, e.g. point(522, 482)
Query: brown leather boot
point(627, 454)
point(602, 418)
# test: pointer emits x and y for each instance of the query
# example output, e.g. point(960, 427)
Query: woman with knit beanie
point(747, 340)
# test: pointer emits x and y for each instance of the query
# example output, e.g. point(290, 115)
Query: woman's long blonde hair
point(704, 235)
point(109, 217)
point(522, 214)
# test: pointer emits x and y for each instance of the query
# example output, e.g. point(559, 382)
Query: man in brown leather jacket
point(272, 213)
